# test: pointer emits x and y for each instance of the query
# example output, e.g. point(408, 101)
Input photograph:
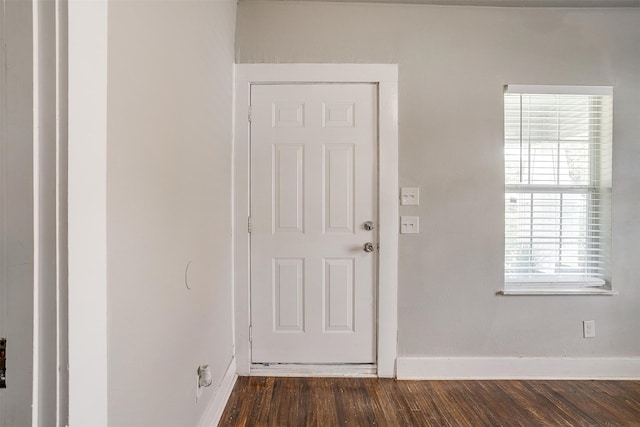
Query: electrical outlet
point(589, 328)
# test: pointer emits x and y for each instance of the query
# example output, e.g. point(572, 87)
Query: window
point(557, 151)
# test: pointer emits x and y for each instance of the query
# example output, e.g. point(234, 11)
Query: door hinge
point(249, 114)
point(3, 360)
point(250, 333)
point(249, 225)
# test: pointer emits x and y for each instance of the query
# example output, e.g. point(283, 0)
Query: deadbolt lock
point(369, 225)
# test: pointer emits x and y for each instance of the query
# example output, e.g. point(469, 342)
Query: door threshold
point(365, 370)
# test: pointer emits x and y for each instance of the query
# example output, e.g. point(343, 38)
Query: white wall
point(453, 64)
point(170, 70)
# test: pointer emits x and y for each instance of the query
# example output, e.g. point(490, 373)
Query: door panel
point(313, 185)
point(338, 191)
point(288, 172)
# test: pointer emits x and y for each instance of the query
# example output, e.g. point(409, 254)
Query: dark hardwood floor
point(326, 402)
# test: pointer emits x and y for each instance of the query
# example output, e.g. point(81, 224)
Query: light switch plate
point(409, 196)
point(409, 225)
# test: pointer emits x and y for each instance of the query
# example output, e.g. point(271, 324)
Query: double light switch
point(409, 196)
point(409, 225)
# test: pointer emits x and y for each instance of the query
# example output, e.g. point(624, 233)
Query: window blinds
point(557, 152)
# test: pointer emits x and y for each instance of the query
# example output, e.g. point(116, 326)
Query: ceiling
point(506, 3)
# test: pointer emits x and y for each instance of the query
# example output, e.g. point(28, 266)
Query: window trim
point(557, 291)
point(560, 286)
point(559, 90)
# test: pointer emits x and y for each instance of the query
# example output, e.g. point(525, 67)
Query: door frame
point(385, 76)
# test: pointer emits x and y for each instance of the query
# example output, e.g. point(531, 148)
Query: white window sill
point(556, 285)
point(557, 291)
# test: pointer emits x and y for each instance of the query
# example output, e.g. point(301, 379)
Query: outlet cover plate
point(589, 328)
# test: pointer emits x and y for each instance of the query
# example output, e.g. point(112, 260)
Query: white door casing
point(384, 76)
point(313, 186)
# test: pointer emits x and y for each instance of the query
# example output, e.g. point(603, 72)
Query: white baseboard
point(213, 413)
point(494, 368)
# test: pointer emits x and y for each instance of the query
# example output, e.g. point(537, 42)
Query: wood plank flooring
point(326, 402)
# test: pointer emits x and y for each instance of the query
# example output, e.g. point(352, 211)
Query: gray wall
point(170, 73)
point(31, 170)
point(453, 64)
point(17, 210)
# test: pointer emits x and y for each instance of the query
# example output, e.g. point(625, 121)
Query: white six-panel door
point(313, 188)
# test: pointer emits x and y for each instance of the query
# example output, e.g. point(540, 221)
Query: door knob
point(368, 247)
